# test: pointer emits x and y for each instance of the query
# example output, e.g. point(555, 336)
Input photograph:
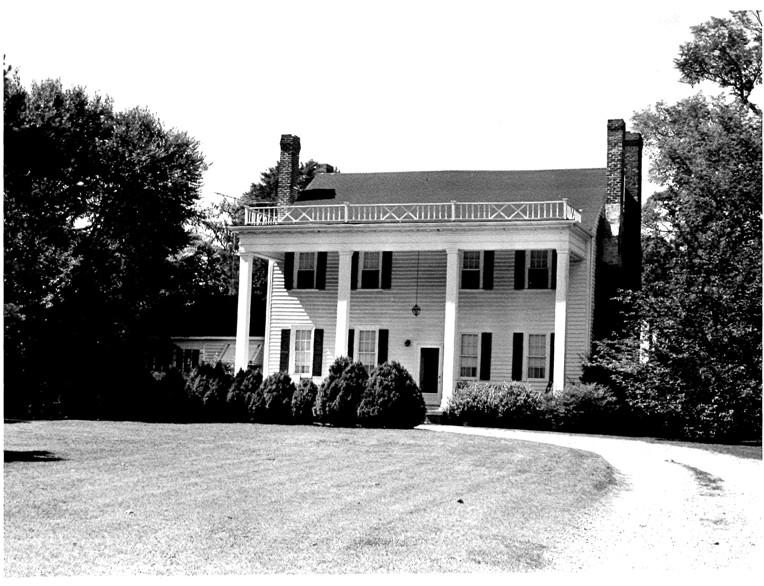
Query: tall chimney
point(616, 130)
point(289, 165)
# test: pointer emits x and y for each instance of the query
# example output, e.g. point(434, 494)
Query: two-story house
point(457, 275)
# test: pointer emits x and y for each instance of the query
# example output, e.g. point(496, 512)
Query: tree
point(690, 361)
point(97, 203)
point(726, 51)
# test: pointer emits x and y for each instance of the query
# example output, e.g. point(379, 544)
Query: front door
point(429, 375)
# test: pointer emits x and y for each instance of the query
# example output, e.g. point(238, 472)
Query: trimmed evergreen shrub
point(391, 399)
point(207, 388)
point(274, 405)
point(340, 394)
point(303, 400)
point(245, 383)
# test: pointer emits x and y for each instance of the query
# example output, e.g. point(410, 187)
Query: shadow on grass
point(30, 456)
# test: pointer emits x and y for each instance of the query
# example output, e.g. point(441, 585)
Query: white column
point(242, 316)
point(450, 332)
point(343, 304)
point(560, 318)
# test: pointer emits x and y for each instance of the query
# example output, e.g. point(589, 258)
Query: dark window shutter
point(384, 336)
point(351, 341)
point(318, 351)
point(285, 344)
point(553, 280)
point(321, 270)
point(485, 355)
point(354, 271)
point(488, 270)
point(387, 269)
point(551, 357)
point(517, 356)
point(289, 270)
point(519, 270)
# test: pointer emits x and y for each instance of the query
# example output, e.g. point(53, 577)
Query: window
point(471, 269)
point(539, 269)
point(303, 351)
point(536, 356)
point(306, 270)
point(468, 356)
point(367, 348)
point(371, 265)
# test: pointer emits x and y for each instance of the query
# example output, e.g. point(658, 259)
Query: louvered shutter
point(321, 270)
point(486, 339)
point(318, 351)
point(553, 280)
point(351, 343)
point(488, 269)
point(289, 270)
point(387, 270)
point(551, 357)
point(382, 343)
point(517, 356)
point(285, 343)
point(519, 269)
point(354, 271)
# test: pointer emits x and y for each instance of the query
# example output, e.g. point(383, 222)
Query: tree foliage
point(726, 51)
point(97, 203)
point(690, 361)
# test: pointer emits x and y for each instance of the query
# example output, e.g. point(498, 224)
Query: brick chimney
point(289, 165)
point(616, 131)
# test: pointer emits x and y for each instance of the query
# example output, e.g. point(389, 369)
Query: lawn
point(93, 498)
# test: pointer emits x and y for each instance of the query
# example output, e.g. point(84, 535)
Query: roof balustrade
point(454, 211)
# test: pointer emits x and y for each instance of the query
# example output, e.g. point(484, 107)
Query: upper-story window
point(371, 269)
point(535, 269)
point(471, 268)
point(306, 270)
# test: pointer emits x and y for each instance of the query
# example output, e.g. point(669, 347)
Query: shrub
point(274, 403)
point(495, 404)
point(339, 396)
point(391, 399)
point(207, 388)
point(303, 400)
point(582, 408)
point(245, 383)
point(172, 403)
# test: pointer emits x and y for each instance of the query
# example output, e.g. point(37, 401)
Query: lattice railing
point(412, 213)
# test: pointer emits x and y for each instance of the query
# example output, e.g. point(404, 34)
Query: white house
point(457, 275)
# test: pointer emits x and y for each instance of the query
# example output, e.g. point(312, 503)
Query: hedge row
point(347, 397)
point(586, 408)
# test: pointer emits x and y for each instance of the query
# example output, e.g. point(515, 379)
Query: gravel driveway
point(674, 508)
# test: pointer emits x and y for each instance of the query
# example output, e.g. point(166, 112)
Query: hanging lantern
point(416, 310)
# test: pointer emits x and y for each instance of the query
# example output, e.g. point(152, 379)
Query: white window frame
point(462, 356)
point(293, 351)
point(361, 259)
point(549, 267)
point(479, 270)
point(357, 346)
point(528, 357)
point(296, 274)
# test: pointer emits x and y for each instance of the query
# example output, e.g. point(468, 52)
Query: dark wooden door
point(429, 370)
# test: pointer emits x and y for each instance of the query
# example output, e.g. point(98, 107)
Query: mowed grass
point(92, 498)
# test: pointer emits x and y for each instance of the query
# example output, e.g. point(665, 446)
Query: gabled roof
point(584, 188)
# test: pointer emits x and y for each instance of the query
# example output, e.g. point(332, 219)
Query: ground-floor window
point(303, 351)
point(367, 348)
point(537, 356)
point(468, 356)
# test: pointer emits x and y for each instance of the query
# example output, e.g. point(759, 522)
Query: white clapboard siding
point(216, 349)
point(501, 311)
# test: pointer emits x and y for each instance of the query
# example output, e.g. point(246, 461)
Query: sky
point(367, 86)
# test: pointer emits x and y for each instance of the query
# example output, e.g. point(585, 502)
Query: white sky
point(383, 86)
